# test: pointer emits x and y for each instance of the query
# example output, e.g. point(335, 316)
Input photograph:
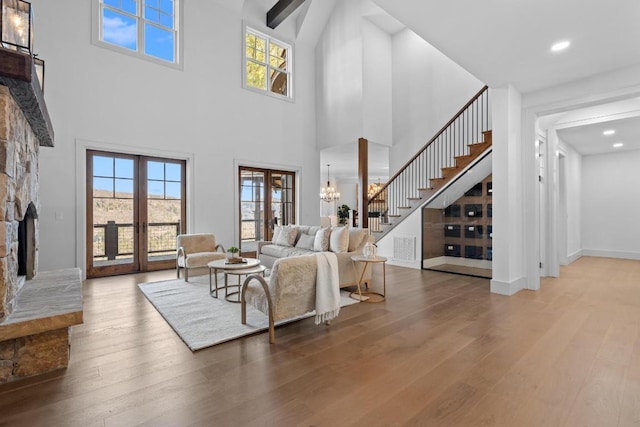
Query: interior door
point(267, 199)
point(135, 209)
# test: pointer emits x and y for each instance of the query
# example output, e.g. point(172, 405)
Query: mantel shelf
point(18, 73)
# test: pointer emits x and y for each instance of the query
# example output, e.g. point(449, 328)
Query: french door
point(135, 209)
point(267, 199)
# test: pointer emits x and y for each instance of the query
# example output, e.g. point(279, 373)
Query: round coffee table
point(250, 266)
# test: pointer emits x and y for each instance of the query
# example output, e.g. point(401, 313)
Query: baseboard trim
point(508, 288)
point(465, 262)
point(611, 254)
point(574, 256)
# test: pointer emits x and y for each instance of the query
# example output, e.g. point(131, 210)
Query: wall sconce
point(39, 65)
point(15, 23)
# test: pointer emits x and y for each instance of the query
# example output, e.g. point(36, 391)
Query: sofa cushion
point(356, 236)
point(200, 259)
point(305, 241)
point(321, 240)
point(339, 239)
point(276, 233)
point(277, 251)
point(288, 235)
point(310, 230)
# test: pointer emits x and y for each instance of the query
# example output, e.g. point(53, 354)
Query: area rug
point(202, 321)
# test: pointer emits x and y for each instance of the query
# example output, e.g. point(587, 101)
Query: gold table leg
point(366, 295)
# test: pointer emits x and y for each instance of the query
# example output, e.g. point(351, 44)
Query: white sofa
point(300, 240)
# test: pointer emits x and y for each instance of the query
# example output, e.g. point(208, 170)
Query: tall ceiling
point(509, 42)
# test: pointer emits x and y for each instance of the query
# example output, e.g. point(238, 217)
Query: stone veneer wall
point(19, 150)
point(34, 354)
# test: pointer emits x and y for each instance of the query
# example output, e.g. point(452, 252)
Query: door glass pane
point(286, 190)
point(252, 218)
point(164, 209)
point(113, 211)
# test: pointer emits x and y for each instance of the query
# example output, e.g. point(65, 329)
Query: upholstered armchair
point(289, 291)
point(196, 251)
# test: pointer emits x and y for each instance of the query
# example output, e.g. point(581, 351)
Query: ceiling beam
point(280, 11)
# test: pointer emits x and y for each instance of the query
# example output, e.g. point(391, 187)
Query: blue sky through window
point(116, 176)
point(120, 26)
point(119, 29)
point(164, 180)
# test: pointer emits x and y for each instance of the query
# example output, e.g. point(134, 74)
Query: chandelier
point(374, 188)
point(328, 193)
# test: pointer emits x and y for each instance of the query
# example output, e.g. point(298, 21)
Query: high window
point(148, 28)
point(267, 64)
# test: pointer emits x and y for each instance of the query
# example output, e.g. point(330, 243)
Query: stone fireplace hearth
point(36, 309)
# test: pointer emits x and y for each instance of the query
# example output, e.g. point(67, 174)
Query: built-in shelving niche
point(458, 238)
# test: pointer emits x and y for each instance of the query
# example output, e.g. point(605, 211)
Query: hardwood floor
point(441, 350)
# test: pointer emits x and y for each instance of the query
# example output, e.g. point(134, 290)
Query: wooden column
point(363, 182)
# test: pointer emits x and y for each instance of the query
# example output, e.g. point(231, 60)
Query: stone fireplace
point(19, 202)
point(37, 309)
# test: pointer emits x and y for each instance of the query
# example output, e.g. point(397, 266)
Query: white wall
point(573, 201)
point(611, 205)
point(340, 78)
point(377, 88)
point(354, 78)
point(202, 112)
point(428, 89)
point(410, 227)
point(509, 215)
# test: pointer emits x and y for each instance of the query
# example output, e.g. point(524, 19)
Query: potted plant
point(233, 252)
point(343, 214)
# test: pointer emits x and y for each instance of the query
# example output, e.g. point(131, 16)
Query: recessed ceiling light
point(609, 132)
point(557, 47)
point(618, 145)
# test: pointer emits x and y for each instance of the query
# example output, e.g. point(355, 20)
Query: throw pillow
point(356, 237)
point(305, 242)
point(287, 236)
point(276, 233)
point(321, 240)
point(339, 239)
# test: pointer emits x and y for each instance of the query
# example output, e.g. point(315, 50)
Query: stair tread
point(448, 172)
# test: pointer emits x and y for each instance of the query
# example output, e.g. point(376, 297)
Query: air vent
point(404, 248)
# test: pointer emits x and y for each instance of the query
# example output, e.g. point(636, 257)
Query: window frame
point(290, 60)
point(96, 39)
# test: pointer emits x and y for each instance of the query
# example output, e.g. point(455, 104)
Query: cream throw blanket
point(327, 287)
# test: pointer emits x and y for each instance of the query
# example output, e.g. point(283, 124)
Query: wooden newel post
point(363, 182)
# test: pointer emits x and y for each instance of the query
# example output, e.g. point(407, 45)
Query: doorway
point(267, 199)
point(563, 217)
point(135, 209)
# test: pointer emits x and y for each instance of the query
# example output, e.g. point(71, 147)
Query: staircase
point(462, 142)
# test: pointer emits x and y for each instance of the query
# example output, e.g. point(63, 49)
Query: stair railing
point(464, 128)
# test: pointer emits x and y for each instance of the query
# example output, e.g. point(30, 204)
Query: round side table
point(222, 264)
point(259, 269)
point(369, 296)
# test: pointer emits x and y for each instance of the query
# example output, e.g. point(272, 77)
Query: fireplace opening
point(27, 244)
